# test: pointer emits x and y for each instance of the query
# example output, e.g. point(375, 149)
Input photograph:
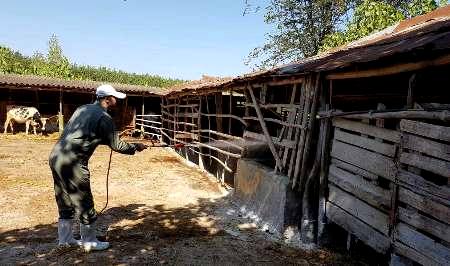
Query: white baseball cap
point(108, 90)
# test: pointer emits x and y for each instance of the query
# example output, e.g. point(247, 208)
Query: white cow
point(27, 115)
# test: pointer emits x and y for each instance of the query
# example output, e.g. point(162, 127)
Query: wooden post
point(291, 120)
point(36, 95)
point(247, 101)
point(219, 111)
point(263, 94)
point(143, 113)
point(265, 130)
point(209, 125)
point(300, 113)
point(199, 134)
point(316, 89)
point(60, 113)
point(301, 143)
point(411, 85)
point(175, 119)
point(322, 233)
point(231, 112)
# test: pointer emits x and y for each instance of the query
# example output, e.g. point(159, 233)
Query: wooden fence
point(390, 188)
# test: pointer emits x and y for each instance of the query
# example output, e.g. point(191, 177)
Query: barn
point(52, 96)
point(357, 138)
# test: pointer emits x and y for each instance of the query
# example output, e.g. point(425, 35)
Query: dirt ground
point(160, 212)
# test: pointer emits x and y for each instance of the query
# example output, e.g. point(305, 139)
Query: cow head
point(39, 121)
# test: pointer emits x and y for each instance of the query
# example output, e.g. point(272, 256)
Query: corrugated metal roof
point(73, 85)
point(429, 30)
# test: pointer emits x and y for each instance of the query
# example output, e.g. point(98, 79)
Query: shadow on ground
point(142, 234)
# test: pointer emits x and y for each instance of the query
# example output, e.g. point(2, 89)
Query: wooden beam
point(362, 128)
point(218, 98)
point(218, 134)
point(217, 149)
point(265, 130)
point(391, 70)
point(61, 114)
point(276, 105)
point(261, 137)
point(291, 120)
point(227, 116)
point(406, 114)
point(274, 121)
point(290, 81)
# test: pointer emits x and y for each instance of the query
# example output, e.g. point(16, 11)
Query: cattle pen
point(358, 137)
point(354, 140)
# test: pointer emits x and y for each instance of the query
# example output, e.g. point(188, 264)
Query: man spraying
point(89, 126)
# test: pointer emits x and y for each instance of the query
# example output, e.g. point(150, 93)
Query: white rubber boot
point(88, 239)
point(65, 236)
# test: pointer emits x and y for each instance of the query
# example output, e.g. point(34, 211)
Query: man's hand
point(140, 146)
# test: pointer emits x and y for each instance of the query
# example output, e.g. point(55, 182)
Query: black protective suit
point(88, 127)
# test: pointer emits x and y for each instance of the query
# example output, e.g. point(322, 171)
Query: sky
point(178, 39)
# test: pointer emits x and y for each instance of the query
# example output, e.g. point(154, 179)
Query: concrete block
point(266, 197)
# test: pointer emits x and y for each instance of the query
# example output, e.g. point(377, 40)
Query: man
point(88, 127)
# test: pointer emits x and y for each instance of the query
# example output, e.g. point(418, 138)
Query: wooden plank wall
point(423, 229)
point(391, 189)
point(361, 176)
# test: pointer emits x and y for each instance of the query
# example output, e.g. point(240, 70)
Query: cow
point(24, 115)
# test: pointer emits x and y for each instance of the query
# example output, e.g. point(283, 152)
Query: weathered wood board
point(360, 229)
point(366, 143)
point(426, 146)
point(382, 133)
point(425, 204)
point(432, 226)
point(423, 244)
point(373, 162)
point(362, 189)
point(419, 184)
point(359, 209)
point(426, 130)
point(430, 164)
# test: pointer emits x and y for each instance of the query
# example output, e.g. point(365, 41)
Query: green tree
point(55, 64)
point(372, 16)
point(302, 28)
point(59, 64)
point(299, 28)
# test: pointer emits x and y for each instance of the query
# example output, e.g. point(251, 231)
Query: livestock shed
point(357, 138)
point(53, 96)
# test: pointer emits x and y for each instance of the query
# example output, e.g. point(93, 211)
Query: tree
point(371, 16)
point(55, 64)
point(299, 28)
point(302, 28)
point(59, 64)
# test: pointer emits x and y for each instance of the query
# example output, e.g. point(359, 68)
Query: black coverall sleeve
point(107, 132)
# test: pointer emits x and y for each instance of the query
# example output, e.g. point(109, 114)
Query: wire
point(107, 183)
